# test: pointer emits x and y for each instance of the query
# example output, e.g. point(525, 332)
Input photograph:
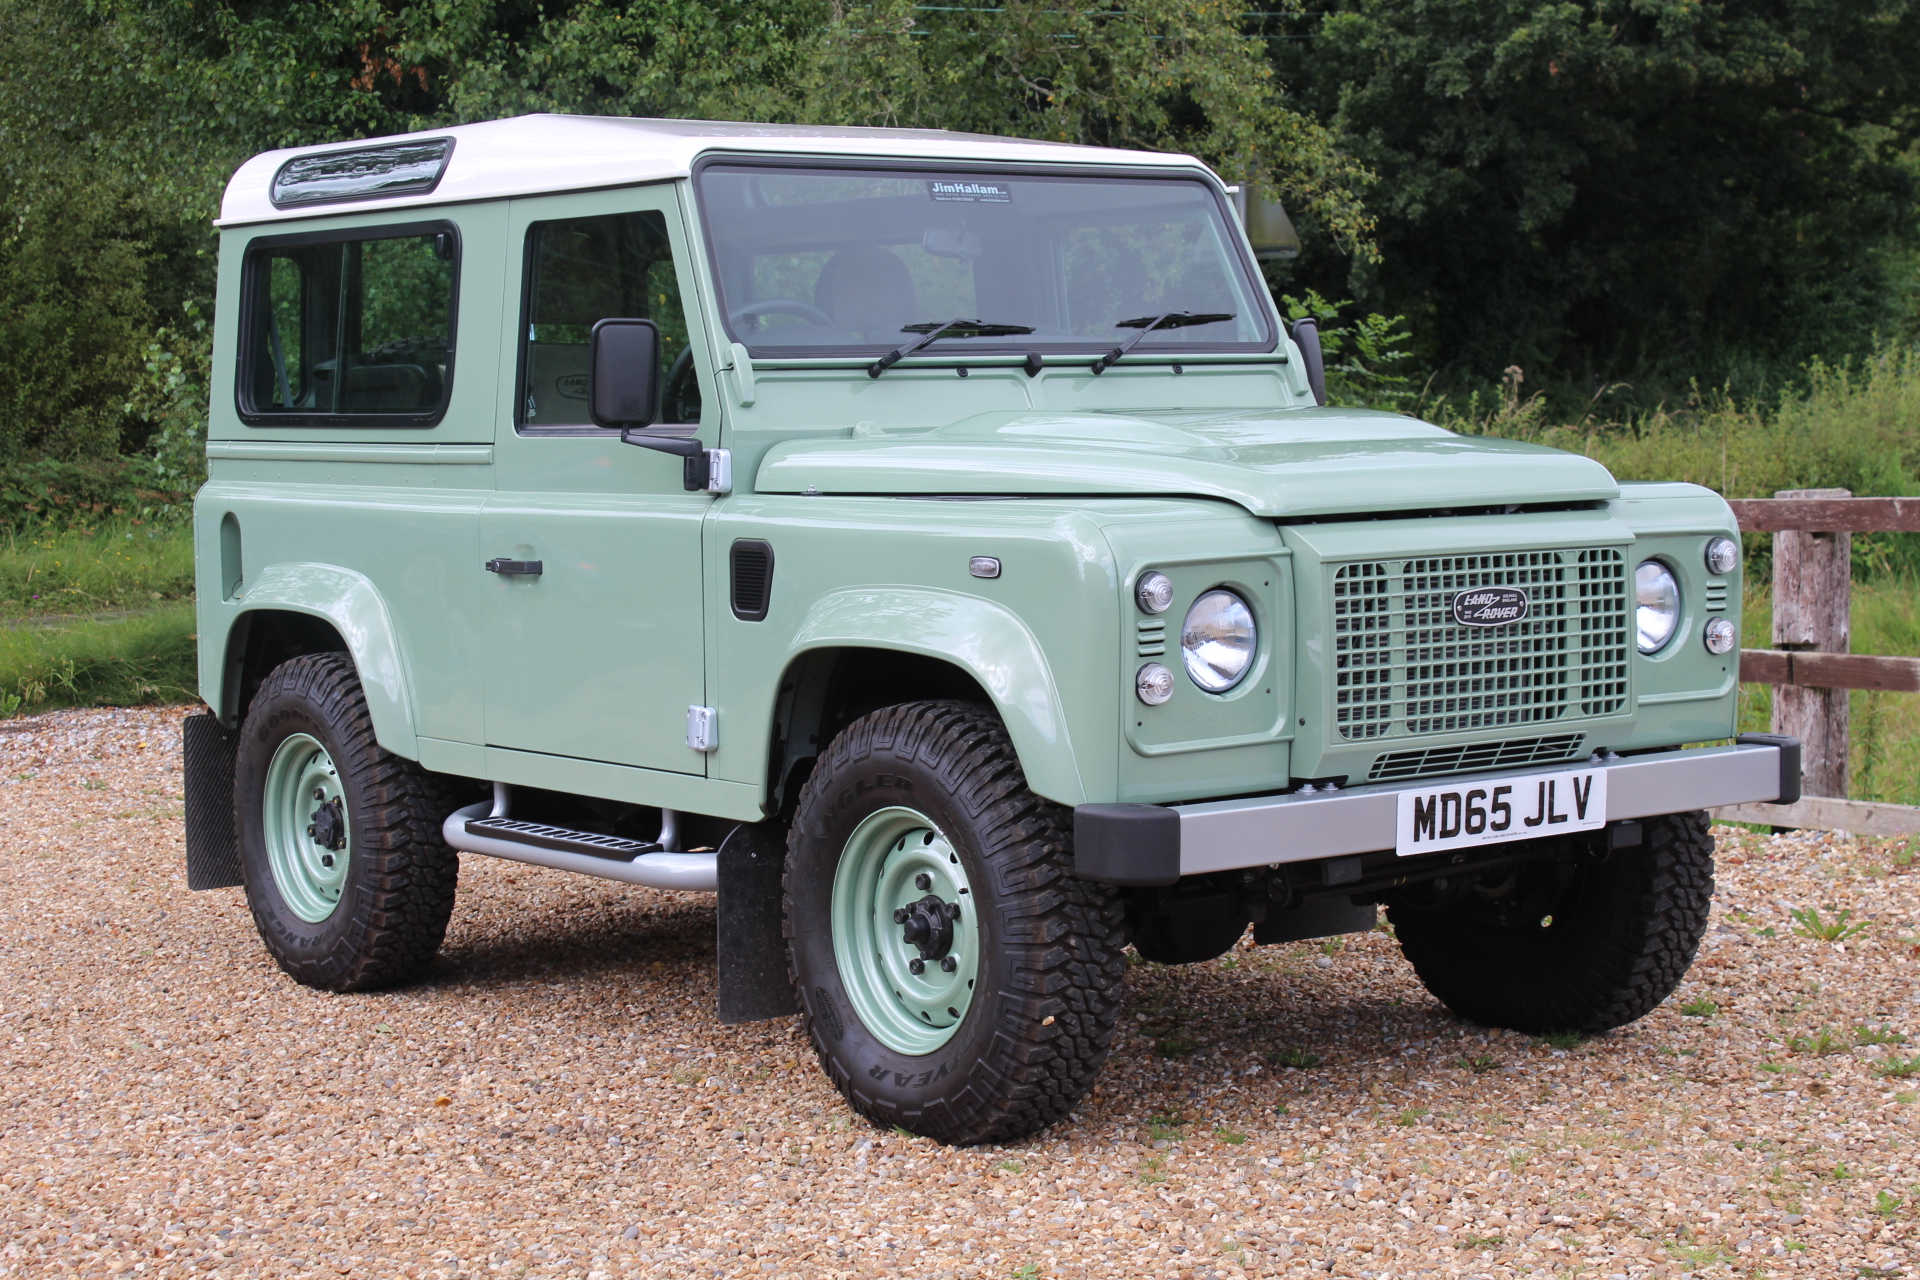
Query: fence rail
point(1827, 515)
point(1810, 667)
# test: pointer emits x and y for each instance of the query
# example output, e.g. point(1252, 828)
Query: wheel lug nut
point(916, 965)
point(948, 964)
point(900, 915)
point(319, 793)
point(923, 881)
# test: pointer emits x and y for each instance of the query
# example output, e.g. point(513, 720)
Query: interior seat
point(867, 291)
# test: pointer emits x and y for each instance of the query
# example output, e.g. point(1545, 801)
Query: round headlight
point(1153, 593)
point(1218, 640)
point(1656, 601)
point(1718, 636)
point(1722, 555)
point(1154, 684)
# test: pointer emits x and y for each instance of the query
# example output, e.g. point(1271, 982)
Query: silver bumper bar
point(1156, 844)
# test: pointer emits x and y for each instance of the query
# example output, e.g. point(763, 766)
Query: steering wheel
point(680, 388)
point(781, 306)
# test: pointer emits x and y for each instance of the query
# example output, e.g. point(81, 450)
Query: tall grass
point(114, 565)
point(144, 658)
point(1852, 426)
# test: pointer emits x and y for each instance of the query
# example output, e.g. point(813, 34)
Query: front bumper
point(1142, 844)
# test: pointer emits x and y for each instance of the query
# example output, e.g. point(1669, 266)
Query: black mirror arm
point(683, 446)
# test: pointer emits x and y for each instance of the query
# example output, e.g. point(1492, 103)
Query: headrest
point(868, 292)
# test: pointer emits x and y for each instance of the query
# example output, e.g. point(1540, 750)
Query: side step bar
point(472, 830)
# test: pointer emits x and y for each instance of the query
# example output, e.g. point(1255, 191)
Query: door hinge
point(701, 728)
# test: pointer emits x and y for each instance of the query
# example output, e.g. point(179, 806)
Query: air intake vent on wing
point(752, 579)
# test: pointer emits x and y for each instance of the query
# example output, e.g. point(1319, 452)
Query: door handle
point(500, 564)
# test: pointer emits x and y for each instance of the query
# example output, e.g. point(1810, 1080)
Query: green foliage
point(50, 494)
point(112, 565)
point(1599, 190)
point(144, 658)
point(1808, 923)
point(1365, 360)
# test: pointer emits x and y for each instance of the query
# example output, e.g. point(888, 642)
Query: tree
point(1621, 189)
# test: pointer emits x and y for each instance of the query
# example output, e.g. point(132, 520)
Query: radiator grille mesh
point(1403, 667)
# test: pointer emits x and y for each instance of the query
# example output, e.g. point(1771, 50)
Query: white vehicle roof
point(528, 155)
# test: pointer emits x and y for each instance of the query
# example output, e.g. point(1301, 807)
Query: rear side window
point(583, 270)
point(351, 329)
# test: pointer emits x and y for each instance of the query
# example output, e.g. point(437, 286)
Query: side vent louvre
point(752, 579)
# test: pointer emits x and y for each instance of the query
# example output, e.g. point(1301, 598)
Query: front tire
point(349, 882)
point(954, 979)
point(1584, 943)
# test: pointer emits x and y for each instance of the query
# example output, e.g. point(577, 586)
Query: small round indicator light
point(1719, 635)
point(1154, 684)
point(1154, 594)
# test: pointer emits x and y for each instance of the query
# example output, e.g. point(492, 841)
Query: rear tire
point(929, 798)
point(349, 882)
point(1625, 926)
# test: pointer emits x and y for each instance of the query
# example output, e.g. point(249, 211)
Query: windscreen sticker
point(970, 190)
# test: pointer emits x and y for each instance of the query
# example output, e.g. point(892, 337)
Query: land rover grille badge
point(1490, 606)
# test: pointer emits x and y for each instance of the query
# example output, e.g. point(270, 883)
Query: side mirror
point(623, 372)
point(1306, 336)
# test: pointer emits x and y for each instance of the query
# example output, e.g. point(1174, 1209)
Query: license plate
point(1466, 814)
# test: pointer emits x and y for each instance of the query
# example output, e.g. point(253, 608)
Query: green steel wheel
point(346, 875)
point(905, 932)
point(305, 825)
point(915, 843)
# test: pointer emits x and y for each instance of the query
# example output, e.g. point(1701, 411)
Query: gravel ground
point(559, 1101)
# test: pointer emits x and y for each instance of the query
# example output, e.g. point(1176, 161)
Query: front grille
point(1475, 757)
point(1404, 667)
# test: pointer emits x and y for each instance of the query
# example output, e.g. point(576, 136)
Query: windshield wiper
point(933, 329)
point(1147, 324)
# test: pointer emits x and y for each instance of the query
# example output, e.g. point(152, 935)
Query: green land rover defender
point(937, 547)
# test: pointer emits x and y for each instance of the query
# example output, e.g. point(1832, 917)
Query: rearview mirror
point(623, 368)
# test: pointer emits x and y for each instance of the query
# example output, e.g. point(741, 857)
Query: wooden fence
point(1810, 665)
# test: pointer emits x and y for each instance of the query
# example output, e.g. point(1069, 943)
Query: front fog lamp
point(1218, 640)
point(1154, 684)
point(1719, 636)
point(1722, 555)
point(1656, 605)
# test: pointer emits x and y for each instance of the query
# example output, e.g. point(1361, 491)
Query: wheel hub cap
point(928, 925)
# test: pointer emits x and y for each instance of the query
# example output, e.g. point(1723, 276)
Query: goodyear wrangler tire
point(1623, 929)
point(349, 882)
point(954, 979)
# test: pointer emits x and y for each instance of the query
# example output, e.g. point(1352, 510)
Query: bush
point(48, 492)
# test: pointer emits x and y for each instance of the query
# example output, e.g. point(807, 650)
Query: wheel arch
point(859, 650)
point(295, 609)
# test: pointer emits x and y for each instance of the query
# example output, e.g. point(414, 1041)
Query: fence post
point(1812, 610)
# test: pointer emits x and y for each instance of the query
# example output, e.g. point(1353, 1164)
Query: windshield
point(854, 261)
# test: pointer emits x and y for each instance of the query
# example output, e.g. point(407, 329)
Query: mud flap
point(749, 945)
point(213, 851)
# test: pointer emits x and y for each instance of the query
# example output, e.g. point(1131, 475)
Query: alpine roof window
point(351, 328)
point(363, 173)
point(854, 261)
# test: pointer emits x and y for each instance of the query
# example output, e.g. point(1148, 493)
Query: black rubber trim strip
point(1789, 760)
point(1132, 844)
